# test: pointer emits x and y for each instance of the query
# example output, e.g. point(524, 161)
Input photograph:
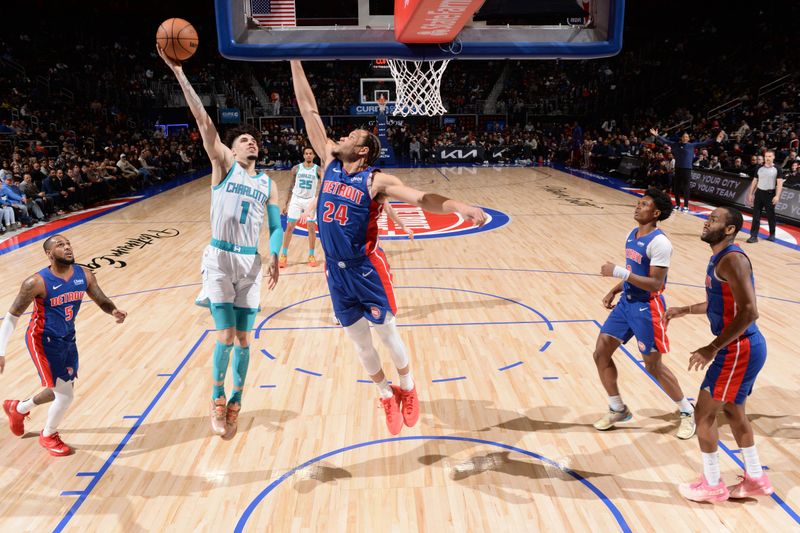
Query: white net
point(419, 86)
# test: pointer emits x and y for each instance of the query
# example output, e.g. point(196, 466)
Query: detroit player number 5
point(57, 292)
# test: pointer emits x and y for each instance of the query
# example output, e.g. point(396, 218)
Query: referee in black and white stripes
point(765, 192)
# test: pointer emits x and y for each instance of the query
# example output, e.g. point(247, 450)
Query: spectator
point(30, 190)
point(18, 200)
point(684, 154)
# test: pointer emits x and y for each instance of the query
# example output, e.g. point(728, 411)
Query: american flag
point(273, 13)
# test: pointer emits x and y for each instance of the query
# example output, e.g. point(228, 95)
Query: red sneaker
point(16, 420)
point(409, 405)
point(54, 445)
point(391, 407)
point(749, 487)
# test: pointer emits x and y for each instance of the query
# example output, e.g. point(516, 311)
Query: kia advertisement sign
point(459, 154)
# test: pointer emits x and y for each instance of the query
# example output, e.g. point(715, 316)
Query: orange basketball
point(177, 38)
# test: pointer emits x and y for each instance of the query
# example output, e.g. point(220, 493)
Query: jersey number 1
point(245, 209)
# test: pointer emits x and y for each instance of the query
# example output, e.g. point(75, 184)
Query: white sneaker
point(687, 428)
point(613, 417)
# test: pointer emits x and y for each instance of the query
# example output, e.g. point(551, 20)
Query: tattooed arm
point(104, 302)
point(33, 287)
point(220, 155)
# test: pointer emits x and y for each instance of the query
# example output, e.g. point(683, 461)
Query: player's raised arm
point(307, 103)
point(392, 187)
point(219, 154)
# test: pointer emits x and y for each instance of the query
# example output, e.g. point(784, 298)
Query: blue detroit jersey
point(54, 315)
point(346, 215)
point(638, 263)
point(721, 307)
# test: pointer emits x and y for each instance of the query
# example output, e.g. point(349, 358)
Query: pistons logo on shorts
point(641, 346)
point(376, 313)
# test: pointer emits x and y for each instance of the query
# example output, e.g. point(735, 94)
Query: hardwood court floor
point(513, 313)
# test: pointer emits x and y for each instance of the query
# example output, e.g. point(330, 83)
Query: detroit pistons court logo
point(430, 225)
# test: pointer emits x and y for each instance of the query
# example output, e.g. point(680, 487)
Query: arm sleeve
point(6, 329)
point(659, 251)
point(275, 228)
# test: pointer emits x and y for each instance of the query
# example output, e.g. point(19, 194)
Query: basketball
point(178, 39)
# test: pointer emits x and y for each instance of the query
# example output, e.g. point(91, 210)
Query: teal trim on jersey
point(223, 314)
point(234, 248)
point(228, 175)
point(275, 229)
point(245, 318)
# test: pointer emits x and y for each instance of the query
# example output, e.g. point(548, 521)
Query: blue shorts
point(53, 357)
point(733, 371)
point(642, 319)
point(361, 288)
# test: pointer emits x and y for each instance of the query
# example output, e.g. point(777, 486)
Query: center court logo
point(429, 225)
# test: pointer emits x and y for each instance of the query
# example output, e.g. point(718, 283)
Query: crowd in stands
point(77, 117)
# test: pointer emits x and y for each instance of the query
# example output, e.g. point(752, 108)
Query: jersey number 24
point(340, 216)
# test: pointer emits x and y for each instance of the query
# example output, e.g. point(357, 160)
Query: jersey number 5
point(68, 313)
point(340, 215)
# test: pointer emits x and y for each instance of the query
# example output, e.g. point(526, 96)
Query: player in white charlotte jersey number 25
point(306, 181)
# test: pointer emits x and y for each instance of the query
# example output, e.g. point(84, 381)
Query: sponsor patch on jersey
point(429, 225)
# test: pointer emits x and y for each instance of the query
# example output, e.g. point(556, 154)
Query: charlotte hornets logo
point(429, 225)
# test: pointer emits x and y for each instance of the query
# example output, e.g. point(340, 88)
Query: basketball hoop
point(419, 86)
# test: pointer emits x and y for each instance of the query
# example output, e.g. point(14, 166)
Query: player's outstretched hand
point(474, 214)
point(120, 315)
point(674, 312)
point(654, 132)
point(171, 63)
point(272, 272)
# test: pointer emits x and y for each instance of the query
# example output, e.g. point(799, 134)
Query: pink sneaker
point(701, 491)
point(749, 487)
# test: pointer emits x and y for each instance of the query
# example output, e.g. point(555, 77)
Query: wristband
point(621, 273)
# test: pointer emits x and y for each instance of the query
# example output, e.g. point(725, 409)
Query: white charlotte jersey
point(305, 183)
point(238, 209)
